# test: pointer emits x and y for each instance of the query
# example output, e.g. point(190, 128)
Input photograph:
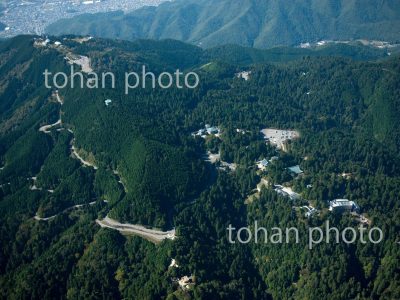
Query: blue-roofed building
point(262, 164)
point(212, 130)
point(343, 205)
point(295, 170)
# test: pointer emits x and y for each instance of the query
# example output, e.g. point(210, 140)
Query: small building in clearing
point(244, 75)
point(261, 165)
point(295, 170)
point(212, 130)
point(311, 211)
point(186, 282)
point(343, 205)
point(173, 264)
point(208, 130)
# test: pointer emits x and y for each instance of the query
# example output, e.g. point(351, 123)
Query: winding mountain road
point(37, 218)
point(153, 235)
point(77, 156)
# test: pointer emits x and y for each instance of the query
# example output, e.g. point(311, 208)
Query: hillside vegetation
point(142, 159)
point(255, 23)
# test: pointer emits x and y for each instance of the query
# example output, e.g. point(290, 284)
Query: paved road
point(37, 218)
point(84, 162)
point(152, 235)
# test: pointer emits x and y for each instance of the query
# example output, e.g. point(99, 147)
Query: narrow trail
point(59, 100)
point(115, 172)
point(34, 187)
point(37, 218)
point(46, 128)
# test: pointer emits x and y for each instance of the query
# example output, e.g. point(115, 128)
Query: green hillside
point(243, 55)
point(136, 161)
point(255, 23)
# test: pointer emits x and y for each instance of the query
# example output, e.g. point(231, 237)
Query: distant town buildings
point(371, 43)
point(32, 17)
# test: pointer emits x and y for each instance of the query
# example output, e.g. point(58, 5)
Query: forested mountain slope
point(256, 23)
point(142, 159)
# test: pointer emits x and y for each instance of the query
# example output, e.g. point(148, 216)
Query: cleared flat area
point(82, 61)
point(212, 158)
point(153, 235)
point(278, 137)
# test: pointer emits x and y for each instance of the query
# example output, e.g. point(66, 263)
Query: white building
point(243, 75)
point(342, 205)
point(173, 264)
point(295, 170)
point(212, 130)
point(208, 130)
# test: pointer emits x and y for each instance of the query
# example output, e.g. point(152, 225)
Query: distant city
point(32, 17)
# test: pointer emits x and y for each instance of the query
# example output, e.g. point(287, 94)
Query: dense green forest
point(148, 169)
